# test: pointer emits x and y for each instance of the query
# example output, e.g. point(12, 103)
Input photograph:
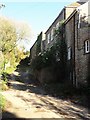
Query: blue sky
point(39, 15)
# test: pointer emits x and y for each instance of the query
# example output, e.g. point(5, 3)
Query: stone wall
point(81, 58)
point(69, 36)
point(78, 66)
point(48, 75)
point(45, 75)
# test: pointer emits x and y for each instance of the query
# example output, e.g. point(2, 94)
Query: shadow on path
point(7, 115)
point(11, 116)
point(28, 87)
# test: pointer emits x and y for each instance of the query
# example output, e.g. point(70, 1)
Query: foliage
point(4, 81)
point(4, 77)
point(1, 62)
point(4, 86)
point(38, 47)
point(7, 36)
point(24, 62)
point(10, 34)
point(19, 55)
point(27, 53)
point(2, 102)
point(55, 56)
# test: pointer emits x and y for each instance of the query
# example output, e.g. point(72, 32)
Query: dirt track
point(31, 101)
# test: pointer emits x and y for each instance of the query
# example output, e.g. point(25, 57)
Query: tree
point(10, 34)
point(24, 34)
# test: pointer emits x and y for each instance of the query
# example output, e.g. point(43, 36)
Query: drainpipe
point(74, 66)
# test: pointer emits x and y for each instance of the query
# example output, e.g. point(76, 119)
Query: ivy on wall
point(55, 56)
point(38, 47)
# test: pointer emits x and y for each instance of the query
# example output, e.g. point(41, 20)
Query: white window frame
point(69, 53)
point(52, 34)
point(48, 37)
point(57, 25)
point(87, 46)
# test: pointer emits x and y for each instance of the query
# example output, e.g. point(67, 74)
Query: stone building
point(76, 18)
point(43, 42)
point(64, 14)
point(33, 51)
point(38, 46)
point(77, 33)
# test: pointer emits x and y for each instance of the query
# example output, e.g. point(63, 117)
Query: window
point(48, 37)
point(57, 25)
point(87, 46)
point(52, 34)
point(69, 53)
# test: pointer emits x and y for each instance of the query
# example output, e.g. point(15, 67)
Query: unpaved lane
point(30, 101)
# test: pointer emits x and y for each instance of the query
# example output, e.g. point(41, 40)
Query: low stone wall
point(48, 75)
